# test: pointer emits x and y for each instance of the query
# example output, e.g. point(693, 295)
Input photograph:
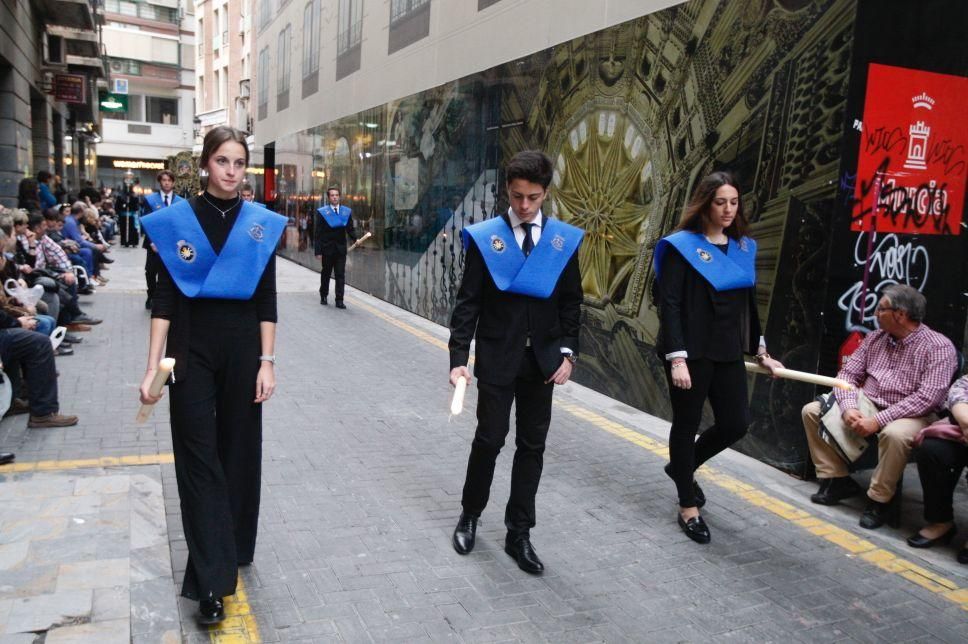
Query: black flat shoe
point(465, 533)
point(833, 491)
point(7, 457)
point(340, 305)
point(697, 492)
point(323, 302)
point(918, 540)
point(696, 529)
point(211, 611)
point(962, 556)
point(877, 514)
point(523, 552)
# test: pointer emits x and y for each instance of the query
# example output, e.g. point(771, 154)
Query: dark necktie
point(166, 201)
point(528, 244)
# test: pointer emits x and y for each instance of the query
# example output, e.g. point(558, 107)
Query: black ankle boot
point(211, 610)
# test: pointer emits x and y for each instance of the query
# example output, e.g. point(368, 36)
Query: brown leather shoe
point(79, 328)
point(51, 420)
point(18, 406)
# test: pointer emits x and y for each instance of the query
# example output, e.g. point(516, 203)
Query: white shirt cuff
point(677, 354)
point(566, 351)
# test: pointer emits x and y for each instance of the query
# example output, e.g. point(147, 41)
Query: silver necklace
point(220, 211)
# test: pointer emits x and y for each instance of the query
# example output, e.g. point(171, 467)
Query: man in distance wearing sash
point(153, 203)
point(521, 298)
point(333, 225)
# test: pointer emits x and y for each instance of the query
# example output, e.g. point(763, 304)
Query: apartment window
point(263, 83)
point(216, 85)
point(349, 37)
point(409, 22)
point(265, 13)
point(224, 90)
point(200, 102)
point(216, 41)
point(310, 48)
point(160, 109)
point(142, 10)
point(283, 65)
point(224, 25)
point(200, 46)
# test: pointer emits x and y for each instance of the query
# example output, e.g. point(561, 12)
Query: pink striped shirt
point(906, 378)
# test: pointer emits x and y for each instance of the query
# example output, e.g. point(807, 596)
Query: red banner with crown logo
point(913, 159)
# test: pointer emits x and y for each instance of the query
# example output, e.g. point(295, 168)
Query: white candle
point(802, 376)
point(157, 384)
point(457, 402)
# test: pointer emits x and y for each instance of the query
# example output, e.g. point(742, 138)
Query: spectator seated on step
point(87, 250)
point(54, 271)
point(26, 350)
point(942, 454)
point(901, 375)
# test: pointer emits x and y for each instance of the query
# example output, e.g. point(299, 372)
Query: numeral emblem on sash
point(704, 255)
point(186, 252)
point(497, 244)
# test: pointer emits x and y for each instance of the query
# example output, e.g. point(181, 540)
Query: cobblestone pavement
point(361, 489)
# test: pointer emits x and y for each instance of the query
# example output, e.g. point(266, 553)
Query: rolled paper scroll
point(802, 376)
point(457, 402)
point(161, 377)
point(361, 240)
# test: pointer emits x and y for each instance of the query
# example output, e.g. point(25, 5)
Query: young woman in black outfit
point(706, 274)
point(215, 307)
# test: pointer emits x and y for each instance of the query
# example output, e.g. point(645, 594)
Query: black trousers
point(724, 384)
point(333, 263)
point(940, 463)
point(32, 352)
point(532, 419)
point(152, 265)
point(127, 231)
point(217, 440)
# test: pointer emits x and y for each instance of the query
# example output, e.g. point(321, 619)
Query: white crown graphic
point(919, 129)
point(923, 100)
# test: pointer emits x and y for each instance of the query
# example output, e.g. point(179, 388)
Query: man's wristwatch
point(571, 357)
point(271, 359)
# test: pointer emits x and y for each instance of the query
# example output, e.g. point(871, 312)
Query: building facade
point(839, 119)
point(151, 52)
point(50, 65)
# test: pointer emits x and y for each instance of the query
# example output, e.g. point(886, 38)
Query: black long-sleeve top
point(170, 303)
point(698, 319)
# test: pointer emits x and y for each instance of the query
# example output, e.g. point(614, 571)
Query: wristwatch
point(571, 357)
point(271, 359)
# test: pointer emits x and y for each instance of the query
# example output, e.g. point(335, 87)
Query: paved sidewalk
point(361, 489)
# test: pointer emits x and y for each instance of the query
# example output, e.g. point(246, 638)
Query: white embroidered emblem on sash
point(497, 244)
point(704, 255)
point(186, 252)
point(558, 242)
point(257, 232)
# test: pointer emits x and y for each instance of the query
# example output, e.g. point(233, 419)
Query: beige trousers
point(893, 449)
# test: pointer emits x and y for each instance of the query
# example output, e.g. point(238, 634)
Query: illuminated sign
point(112, 102)
point(135, 164)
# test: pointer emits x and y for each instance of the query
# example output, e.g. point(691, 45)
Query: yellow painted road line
point(854, 545)
point(84, 463)
point(239, 626)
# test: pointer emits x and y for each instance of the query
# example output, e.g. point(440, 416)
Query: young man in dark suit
point(333, 225)
point(521, 298)
point(154, 202)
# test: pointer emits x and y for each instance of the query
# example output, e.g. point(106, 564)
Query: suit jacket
point(151, 203)
point(696, 318)
point(328, 240)
point(500, 322)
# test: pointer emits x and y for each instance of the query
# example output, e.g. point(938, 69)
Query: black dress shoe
point(833, 491)
point(696, 529)
point(63, 351)
point(7, 457)
point(465, 533)
point(322, 301)
point(697, 492)
point(340, 305)
point(918, 540)
point(877, 514)
point(211, 610)
point(70, 338)
point(523, 552)
point(963, 556)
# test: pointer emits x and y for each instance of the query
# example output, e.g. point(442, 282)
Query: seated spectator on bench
point(904, 370)
point(28, 350)
point(941, 456)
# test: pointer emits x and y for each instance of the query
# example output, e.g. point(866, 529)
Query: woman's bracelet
point(676, 365)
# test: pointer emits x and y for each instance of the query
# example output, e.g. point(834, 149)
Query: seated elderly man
point(904, 370)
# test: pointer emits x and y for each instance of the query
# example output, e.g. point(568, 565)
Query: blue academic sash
point(197, 270)
point(155, 202)
point(724, 271)
point(535, 275)
point(333, 218)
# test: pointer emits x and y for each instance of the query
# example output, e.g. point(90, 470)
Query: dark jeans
point(532, 419)
point(724, 383)
point(217, 440)
point(32, 352)
point(333, 263)
point(940, 463)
